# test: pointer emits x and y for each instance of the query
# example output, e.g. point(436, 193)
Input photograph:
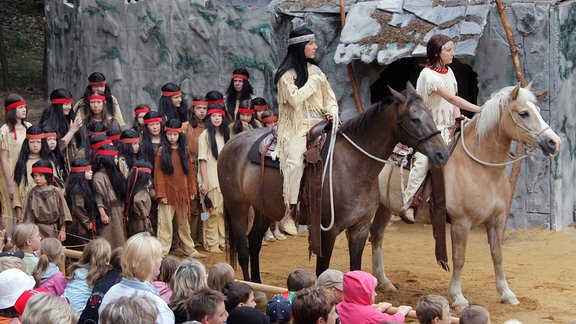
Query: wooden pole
point(349, 66)
point(516, 167)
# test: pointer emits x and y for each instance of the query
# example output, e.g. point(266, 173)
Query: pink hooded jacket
point(357, 304)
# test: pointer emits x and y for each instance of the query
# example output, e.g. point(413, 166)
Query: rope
point(329, 165)
point(366, 153)
point(488, 163)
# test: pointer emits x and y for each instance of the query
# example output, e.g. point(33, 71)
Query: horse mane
point(496, 104)
point(365, 119)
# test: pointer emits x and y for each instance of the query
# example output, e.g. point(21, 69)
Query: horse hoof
point(387, 287)
point(510, 301)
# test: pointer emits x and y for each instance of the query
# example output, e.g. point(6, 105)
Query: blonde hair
point(95, 258)
point(51, 250)
point(220, 274)
point(24, 232)
point(189, 278)
point(139, 255)
point(12, 262)
point(135, 309)
point(49, 309)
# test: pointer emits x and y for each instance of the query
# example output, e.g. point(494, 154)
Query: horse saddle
point(263, 149)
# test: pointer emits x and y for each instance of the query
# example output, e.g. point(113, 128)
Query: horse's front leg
point(357, 236)
point(494, 232)
point(379, 224)
point(459, 234)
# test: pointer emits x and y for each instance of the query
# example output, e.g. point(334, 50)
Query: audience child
point(138, 202)
point(33, 149)
point(244, 314)
point(165, 281)
point(238, 90)
point(27, 239)
point(206, 306)
point(279, 310)
point(88, 271)
point(316, 305)
point(9, 260)
point(220, 274)
point(97, 82)
point(238, 294)
point(210, 143)
point(80, 196)
point(141, 259)
point(138, 123)
point(259, 105)
point(13, 282)
point(137, 309)
point(12, 135)
point(172, 103)
point(474, 314)
point(298, 280)
point(90, 313)
point(332, 280)
point(128, 149)
point(433, 309)
point(110, 191)
point(47, 272)
point(60, 117)
point(175, 184)
point(190, 277)
point(359, 296)
point(49, 309)
point(45, 204)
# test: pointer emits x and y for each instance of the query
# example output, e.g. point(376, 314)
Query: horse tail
point(231, 252)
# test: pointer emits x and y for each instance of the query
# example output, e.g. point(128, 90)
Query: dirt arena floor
point(540, 267)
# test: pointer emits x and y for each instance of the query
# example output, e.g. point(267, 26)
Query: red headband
point(171, 93)
point(106, 152)
point(270, 119)
point(97, 133)
point(260, 107)
point(246, 111)
point(100, 144)
point(81, 168)
point(48, 135)
point(216, 111)
point(97, 97)
point(114, 137)
point(34, 136)
point(130, 140)
point(218, 101)
point(16, 105)
point(97, 83)
point(146, 170)
point(62, 101)
point(139, 111)
point(199, 103)
point(152, 120)
point(172, 130)
point(42, 170)
point(239, 76)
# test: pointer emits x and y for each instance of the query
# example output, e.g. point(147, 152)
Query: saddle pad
point(254, 155)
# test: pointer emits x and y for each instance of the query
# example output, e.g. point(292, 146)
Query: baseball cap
point(21, 302)
point(13, 282)
point(278, 309)
point(331, 278)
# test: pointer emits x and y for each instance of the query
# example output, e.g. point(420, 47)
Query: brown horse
point(402, 118)
point(477, 188)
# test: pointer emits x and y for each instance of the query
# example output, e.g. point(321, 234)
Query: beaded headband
point(447, 45)
point(300, 39)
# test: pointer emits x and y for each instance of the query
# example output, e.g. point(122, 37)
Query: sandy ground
point(539, 265)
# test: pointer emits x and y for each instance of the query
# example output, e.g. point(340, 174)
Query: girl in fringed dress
point(138, 203)
point(80, 196)
point(110, 189)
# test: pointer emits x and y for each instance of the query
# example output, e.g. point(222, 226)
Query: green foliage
point(240, 9)
point(262, 30)
point(112, 53)
point(100, 8)
point(234, 23)
point(187, 62)
point(567, 43)
point(159, 39)
point(205, 14)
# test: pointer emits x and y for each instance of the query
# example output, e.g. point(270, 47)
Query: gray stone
point(359, 23)
point(394, 6)
point(528, 18)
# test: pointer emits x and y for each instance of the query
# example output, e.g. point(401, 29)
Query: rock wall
point(141, 45)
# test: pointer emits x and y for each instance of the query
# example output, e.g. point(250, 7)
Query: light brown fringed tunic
point(113, 232)
point(298, 110)
point(47, 208)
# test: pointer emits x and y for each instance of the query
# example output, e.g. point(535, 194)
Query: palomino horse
point(477, 188)
point(402, 118)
